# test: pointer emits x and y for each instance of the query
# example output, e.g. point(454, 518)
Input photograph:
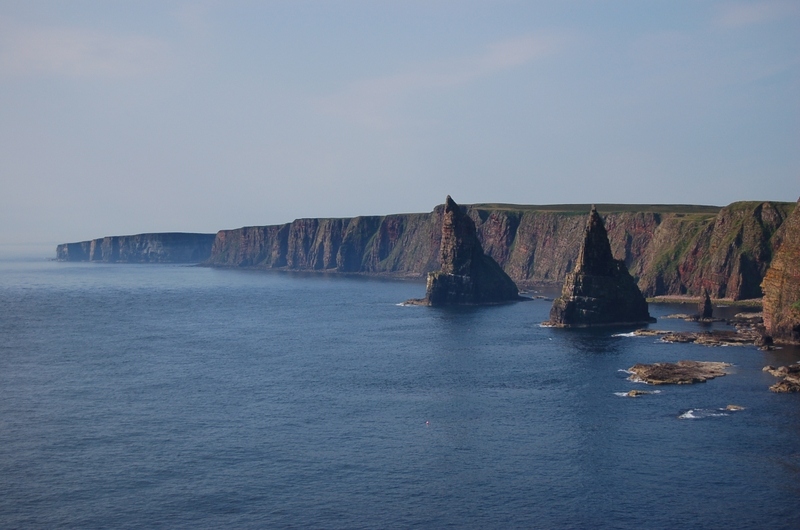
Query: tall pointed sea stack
point(782, 285)
point(706, 310)
point(468, 276)
point(600, 291)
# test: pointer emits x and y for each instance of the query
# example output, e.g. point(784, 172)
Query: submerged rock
point(468, 276)
point(680, 373)
point(600, 290)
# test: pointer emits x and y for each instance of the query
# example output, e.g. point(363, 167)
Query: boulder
point(600, 290)
point(467, 275)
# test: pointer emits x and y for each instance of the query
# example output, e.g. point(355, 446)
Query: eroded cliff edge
point(669, 250)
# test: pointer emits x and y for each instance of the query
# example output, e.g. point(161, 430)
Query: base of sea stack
point(615, 306)
point(454, 289)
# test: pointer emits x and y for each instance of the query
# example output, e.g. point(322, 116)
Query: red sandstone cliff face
point(782, 285)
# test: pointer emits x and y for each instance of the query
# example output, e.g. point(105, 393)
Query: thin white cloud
point(76, 53)
point(737, 15)
point(367, 100)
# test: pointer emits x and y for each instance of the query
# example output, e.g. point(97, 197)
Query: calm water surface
point(173, 396)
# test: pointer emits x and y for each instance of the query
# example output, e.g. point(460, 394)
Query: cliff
point(600, 291)
point(669, 250)
point(782, 285)
point(174, 247)
point(467, 275)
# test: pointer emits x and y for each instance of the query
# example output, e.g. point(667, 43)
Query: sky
point(142, 116)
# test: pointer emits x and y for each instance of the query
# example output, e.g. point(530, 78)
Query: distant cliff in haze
point(169, 247)
point(668, 249)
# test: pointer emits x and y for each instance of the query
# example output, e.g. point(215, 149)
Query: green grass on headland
point(750, 302)
point(603, 208)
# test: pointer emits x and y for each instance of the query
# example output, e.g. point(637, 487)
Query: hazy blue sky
point(127, 117)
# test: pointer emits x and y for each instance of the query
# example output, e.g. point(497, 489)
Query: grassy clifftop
point(581, 209)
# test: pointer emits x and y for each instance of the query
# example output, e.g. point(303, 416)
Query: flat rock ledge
point(790, 375)
point(680, 373)
point(743, 337)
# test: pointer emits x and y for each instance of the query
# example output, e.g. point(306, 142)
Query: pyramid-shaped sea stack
point(468, 276)
point(600, 291)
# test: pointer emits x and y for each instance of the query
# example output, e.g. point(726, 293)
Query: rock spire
point(600, 290)
point(468, 276)
point(705, 309)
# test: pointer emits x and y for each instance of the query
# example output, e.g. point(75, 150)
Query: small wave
point(697, 414)
point(624, 371)
point(631, 334)
point(627, 394)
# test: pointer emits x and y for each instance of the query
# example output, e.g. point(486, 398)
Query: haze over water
point(175, 396)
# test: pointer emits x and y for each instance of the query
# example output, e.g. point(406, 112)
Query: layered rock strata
point(467, 275)
point(782, 286)
point(600, 291)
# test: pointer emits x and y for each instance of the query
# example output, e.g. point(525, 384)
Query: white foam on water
point(625, 394)
point(631, 334)
point(696, 414)
point(625, 371)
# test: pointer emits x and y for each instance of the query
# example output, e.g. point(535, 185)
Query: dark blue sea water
point(172, 396)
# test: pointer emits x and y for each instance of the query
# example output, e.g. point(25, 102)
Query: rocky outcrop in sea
point(680, 373)
point(705, 309)
point(600, 291)
point(467, 275)
point(789, 378)
point(782, 286)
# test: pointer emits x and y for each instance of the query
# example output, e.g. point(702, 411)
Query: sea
point(172, 396)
